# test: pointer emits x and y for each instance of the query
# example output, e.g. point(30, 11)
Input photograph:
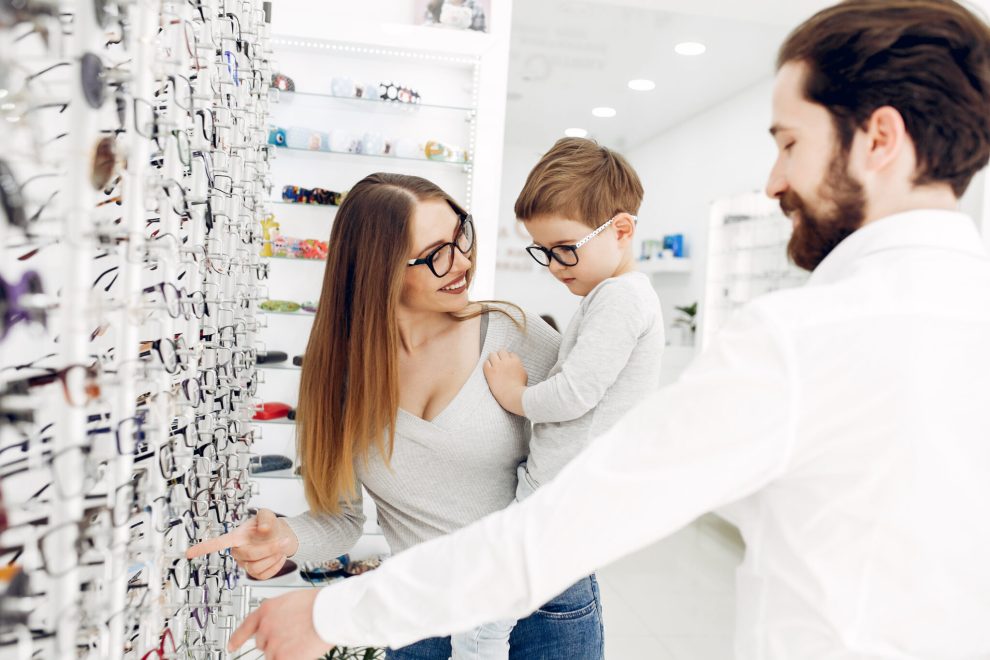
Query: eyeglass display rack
point(451, 78)
point(132, 176)
point(747, 257)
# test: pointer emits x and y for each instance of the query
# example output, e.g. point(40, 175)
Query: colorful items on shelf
point(341, 567)
point(269, 229)
point(343, 141)
point(288, 247)
point(272, 410)
point(287, 306)
point(322, 196)
point(435, 150)
point(671, 247)
point(282, 82)
point(386, 90)
point(269, 463)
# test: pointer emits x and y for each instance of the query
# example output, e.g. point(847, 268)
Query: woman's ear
point(625, 228)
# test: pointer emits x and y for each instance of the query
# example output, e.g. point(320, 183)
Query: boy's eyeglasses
point(441, 259)
point(565, 255)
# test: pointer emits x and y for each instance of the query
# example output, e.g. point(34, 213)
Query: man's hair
point(928, 59)
point(580, 180)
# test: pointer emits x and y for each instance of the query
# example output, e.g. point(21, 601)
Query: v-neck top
point(447, 472)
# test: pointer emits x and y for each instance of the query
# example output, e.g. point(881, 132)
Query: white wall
point(723, 151)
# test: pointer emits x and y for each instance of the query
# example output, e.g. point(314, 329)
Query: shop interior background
point(698, 140)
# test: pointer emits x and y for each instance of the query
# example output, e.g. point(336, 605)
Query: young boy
point(579, 205)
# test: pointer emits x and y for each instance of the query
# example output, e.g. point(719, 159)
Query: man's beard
point(841, 211)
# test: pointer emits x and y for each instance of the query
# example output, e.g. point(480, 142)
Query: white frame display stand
point(461, 77)
point(747, 257)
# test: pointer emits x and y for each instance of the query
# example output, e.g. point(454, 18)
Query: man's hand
point(283, 628)
point(507, 380)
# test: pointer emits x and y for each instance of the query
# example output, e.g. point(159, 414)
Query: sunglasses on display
point(21, 302)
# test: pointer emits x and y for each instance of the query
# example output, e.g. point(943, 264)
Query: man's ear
point(625, 228)
point(885, 138)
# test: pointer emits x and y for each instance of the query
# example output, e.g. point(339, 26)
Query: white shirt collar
point(920, 228)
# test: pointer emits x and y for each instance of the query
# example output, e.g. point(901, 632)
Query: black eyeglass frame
point(466, 226)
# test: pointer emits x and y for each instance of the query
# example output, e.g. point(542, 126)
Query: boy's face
point(598, 259)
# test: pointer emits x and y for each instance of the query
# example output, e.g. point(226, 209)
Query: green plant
point(689, 319)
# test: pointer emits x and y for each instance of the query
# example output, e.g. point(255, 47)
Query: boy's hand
point(507, 380)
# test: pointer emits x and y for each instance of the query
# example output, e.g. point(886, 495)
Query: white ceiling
point(568, 56)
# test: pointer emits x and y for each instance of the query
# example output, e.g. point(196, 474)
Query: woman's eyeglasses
point(441, 258)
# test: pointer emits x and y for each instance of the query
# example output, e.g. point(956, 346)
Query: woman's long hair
point(349, 390)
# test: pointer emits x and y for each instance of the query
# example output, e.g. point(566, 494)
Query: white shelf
point(653, 266)
point(466, 164)
point(369, 545)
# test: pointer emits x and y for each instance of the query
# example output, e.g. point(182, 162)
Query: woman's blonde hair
point(349, 390)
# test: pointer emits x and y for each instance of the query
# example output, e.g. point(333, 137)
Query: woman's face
point(433, 224)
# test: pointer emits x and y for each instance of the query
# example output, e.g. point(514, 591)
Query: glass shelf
point(346, 154)
point(652, 266)
point(278, 474)
point(372, 105)
point(280, 202)
point(315, 261)
point(308, 315)
point(280, 421)
point(285, 367)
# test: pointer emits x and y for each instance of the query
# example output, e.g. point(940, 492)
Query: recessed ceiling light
point(576, 132)
point(603, 111)
point(690, 48)
point(642, 85)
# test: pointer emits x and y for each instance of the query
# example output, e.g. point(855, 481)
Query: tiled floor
point(675, 599)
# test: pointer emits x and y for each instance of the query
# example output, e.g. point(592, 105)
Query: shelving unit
point(453, 73)
point(654, 266)
point(747, 257)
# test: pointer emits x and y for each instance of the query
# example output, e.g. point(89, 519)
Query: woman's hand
point(507, 380)
point(260, 546)
point(283, 628)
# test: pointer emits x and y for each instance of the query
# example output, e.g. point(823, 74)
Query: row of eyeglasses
point(133, 180)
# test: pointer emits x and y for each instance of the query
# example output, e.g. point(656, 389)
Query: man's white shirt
point(843, 426)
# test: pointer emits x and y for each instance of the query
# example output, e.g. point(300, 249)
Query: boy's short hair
point(580, 180)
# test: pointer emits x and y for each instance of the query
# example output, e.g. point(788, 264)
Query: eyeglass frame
point(551, 255)
point(465, 219)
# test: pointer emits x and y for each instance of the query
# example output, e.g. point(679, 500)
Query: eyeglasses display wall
point(747, 257)
point(134, 179)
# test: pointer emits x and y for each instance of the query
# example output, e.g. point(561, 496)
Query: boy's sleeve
point(611, 327)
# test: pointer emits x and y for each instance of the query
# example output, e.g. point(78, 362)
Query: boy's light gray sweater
point(609, 360)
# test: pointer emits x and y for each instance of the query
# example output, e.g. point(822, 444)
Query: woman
point(393, 398)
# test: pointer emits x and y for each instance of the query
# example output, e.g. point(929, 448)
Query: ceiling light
point(690, 48)
point(642, 85)
point(576, 132)
point(603, 111)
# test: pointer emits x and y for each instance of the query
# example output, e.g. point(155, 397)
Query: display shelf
point(369, 545)
point(309, 315)
point(286, 474)
point(281, 422)
point(280, 367)
point(279, 202)
point(466, 164)
point(315, 261)
point(652, 266)
point(372, 105)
